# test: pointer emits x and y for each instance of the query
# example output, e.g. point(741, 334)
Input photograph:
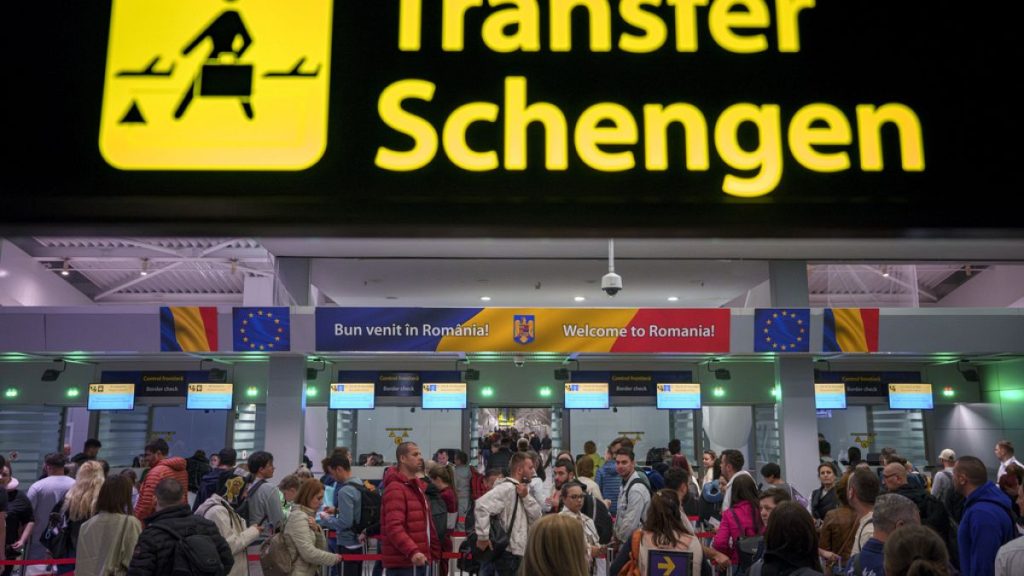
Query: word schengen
point(611, 137)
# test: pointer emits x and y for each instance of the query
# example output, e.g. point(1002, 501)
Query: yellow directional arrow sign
point(668, 566)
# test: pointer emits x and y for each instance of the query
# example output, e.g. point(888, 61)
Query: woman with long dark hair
point(791, 544)
point(741, 520)
point(663, 530)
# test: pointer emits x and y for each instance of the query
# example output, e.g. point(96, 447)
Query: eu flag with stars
point(262, 329)
point(782, 330)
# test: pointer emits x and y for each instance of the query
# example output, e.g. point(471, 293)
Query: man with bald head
point(933, 512)
point(987, 523)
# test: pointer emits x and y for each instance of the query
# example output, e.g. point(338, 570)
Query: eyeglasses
point(575, 497)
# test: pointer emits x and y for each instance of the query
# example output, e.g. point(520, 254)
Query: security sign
point(668, 563)
point(216, 84)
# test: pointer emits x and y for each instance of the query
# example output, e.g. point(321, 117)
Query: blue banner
point(387, 329)
point(265, 329)
point(782, 330)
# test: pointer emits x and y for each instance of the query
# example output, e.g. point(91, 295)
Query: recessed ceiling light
point(579, 298)
point(673, 298)
point(885, 274)
point(485, 298)
point(66, 268)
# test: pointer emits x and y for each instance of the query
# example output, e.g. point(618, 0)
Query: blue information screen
point(678, 396)
point(209, 396)
point(111, 397)
point(911, 397)
point(352, 396)
point(830, 396)
point(586, 395)
point(444, 396)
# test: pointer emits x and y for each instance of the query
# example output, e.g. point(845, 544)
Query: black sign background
point(950, 62)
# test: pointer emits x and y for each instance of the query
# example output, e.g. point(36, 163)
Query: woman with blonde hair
point(303, 535)
point(231, 526)
point(555, 548)
point(108, 539)
point(80, 505)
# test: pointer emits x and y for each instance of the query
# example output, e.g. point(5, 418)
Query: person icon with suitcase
point(221, 75)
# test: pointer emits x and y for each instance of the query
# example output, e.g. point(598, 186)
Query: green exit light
point(718, 392)
point(776, 392)
point(545, 392)
point(487, 391)
point(252, 392)
point(72, 392)
point(310, 391)
point(948, 392)
point(11, 393)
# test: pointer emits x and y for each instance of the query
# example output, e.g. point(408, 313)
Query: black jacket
point(822, 505)
point(933, 515)
point(500, 460)
point(154, 553)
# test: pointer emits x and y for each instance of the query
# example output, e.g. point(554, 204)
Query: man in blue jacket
point(345, 512)
point(608, 479)
point(987, 523)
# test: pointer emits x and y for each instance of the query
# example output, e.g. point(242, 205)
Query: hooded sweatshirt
point(985, 527)
point(232, 528)
point(166, 468)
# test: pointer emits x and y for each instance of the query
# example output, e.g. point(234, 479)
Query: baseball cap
point(947, 455)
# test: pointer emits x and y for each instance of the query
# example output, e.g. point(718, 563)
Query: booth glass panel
point(250, 428)
point(902, 430)
point(124, 436)
point(32, 432)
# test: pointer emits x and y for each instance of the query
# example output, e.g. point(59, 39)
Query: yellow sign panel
point(216, 85)
point(830, 388)
point(111, 388)
point(207, 388)
point(910, 388)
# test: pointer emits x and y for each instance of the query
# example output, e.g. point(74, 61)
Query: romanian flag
point(188, 329)
point(850, 330)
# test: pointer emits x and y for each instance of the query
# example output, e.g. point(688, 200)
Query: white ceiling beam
point(138, 280)
point(78, 252)
point(997, 286)
point(895, 280)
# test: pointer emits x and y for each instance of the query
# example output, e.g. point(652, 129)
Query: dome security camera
point(611, 283)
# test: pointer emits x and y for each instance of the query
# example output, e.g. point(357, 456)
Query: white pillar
point(798, 422)
point(286, 412)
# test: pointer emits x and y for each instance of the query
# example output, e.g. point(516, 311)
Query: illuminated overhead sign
point(209, 396)
point(111, 397)
point(911, 397)
point(202, 85)
point(352, 396)
point(747, 118)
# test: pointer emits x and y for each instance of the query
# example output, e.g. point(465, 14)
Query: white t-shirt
point(865, 531)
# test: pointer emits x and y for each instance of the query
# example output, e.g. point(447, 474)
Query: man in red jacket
point(160, 467)
point(409, 540)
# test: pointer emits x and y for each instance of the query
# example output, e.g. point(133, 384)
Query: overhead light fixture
point(885, 271)
point(718, 392)
point(72, 392)
point(487, 391)
point(51, 374)
point(252, 392)
point(673, 298)
point(66, 268)
point(145, 267)
point(545, 392)
point(579, 298)
point(948, 392)
point(11, 392)
point(485, 298)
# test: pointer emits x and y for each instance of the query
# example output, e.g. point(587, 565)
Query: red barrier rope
point(51, 562)
point(366, 557)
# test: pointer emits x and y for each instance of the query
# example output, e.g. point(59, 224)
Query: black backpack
point(598, 512)
point(369, 508)
point(242, 504)
point(194, 555)
point(749, 548)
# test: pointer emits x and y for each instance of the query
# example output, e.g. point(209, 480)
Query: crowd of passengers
point(523, 509)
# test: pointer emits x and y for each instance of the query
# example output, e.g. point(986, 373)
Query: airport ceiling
point(520, 272)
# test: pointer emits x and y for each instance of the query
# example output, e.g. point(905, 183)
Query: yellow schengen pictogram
point(216, 84)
